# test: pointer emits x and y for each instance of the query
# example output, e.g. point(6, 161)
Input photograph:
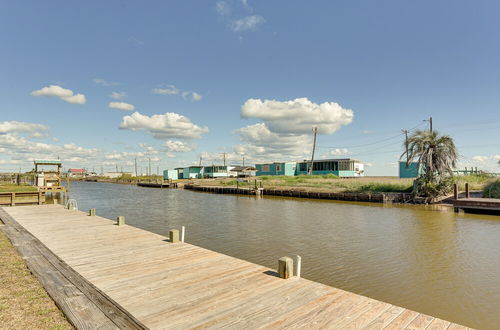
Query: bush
point(492, 189)
point(426, 188)
point(329, 176)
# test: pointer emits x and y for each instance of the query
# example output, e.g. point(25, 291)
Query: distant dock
point(480, 205)
point(153, 185)
point(104, 275)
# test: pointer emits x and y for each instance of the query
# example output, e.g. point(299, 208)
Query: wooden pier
point(22, 198)
point(107, 276)
point(483, 205)
point(153, 185)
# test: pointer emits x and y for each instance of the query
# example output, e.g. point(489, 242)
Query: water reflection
point(424, 258)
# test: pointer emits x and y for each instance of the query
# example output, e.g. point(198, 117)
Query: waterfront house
point(276, 168)
point(344, 167)
point(216, 171)
point(171, 174)
point(114, 175)
point(243, 171)
point(180, 172)
point(77, 172)
point(192, 172)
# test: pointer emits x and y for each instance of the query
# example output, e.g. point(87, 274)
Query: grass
point(325, 183)
point(476, 181)
point(15, 188)
point(24, 304)
point(492, 189)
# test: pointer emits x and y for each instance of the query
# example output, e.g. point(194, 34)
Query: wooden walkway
point(478, 204)
point(160, 285)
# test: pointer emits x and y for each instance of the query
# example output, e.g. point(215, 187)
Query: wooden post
point(174, 236)
point(92, 212)
point(13, 199)
point(120, 221)
point(39, 198)
point(455, 191)
point(467, 192)
point(299, 265)
point(285, 267)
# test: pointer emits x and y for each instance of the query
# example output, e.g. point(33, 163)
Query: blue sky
point(249, 78)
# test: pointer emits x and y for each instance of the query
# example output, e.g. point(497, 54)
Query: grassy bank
point(331, 183)
point(24, 304)
point(16, 188)
point(325, 183)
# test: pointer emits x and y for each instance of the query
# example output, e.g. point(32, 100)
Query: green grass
point(492, 189)
point(476, 181)
point(15, 188)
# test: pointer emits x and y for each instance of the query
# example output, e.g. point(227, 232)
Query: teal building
point(412, 170)
point(279, 168)
point(215, 171)
point(170, 175)
point(345, 167)
point(192, 172)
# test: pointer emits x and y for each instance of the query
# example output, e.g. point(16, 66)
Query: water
point(431, 261)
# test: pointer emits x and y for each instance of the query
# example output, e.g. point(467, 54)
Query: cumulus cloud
point(102, 82)
point(20, 127)
point(248, 23)
point(121, 106)
point(118, 95)
point(179, 146)
point(193, 96)
point(61, 93)
point(298, 116)
point(169, 90)
point(163, 126)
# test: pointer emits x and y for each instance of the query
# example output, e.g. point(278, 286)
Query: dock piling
point(467, 192)
point(120, 220)
point(299, 266)
point(174, 236)
point(92, 212)
point(285, 267)
point(183, 233)
point(455, 191)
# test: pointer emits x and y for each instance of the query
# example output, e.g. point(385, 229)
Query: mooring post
point(455, 191)
point(13, 199)
point(467, 192)
point(285, 267)
point(92, 212)
point(183, 233)
point(299, 266)
point(120, 221)
point(174, 236)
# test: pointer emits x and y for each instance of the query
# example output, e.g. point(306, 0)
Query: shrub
point(492, 189)
point(426, 188)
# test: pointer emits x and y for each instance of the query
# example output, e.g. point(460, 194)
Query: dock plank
point(176, 286)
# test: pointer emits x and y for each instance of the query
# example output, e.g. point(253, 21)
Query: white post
point(183, 232)
point(299, 264)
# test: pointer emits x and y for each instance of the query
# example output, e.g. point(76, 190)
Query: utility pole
point(430, 123)
point(315, 130)
point(243, 160)
point(406, 144)
point(102, 170)
point(135, 165)
point(200, 160)
point(149, 166)
point(116, 167)
point(224, 155)
point(157, 170)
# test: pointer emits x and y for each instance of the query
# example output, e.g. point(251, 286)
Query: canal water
point(429, 260)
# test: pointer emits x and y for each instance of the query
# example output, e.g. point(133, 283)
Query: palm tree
point(435, 153)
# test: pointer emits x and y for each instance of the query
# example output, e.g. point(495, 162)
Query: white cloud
point(261, 143)
point(18, 126)
point(38, 135)
point(337, 152)
point(480, 159)
point(193, 96)
point(179, 146)
point(169, 90)
point(163, 126)
point(61, 93)
point(298, 116)
point(222, 8)
point(121, 106)
point(148, 150)
point(102, 82)
point(248, 23)
point(118, 95)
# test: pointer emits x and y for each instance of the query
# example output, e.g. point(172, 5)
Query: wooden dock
point(153, 185)
point(22, 198)
point(126, 277)
point(484, 205)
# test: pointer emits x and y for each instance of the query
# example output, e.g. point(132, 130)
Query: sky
point(100, 84)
